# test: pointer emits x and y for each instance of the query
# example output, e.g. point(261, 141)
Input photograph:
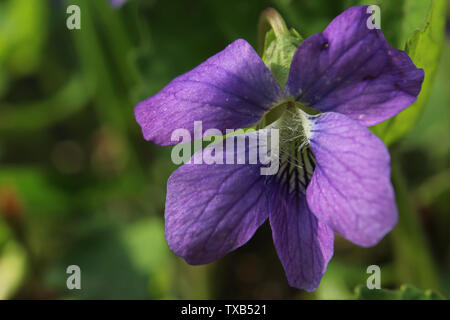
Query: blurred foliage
point(20, 45)
point(406, 292)
point(79, 184)
point(12, 262)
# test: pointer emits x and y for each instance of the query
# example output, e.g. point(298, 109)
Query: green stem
point(414, 262)
point(270, 18)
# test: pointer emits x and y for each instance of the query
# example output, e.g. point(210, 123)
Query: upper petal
point(304, 244)
point(350, 189)
point(351, 69)
point(214, 209)
point(230, 90)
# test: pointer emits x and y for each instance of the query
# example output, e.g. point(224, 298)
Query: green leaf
point(406, 292)
point(424, 47)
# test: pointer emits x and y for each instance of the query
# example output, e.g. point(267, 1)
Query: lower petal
point(350, 189)
point(304, 244)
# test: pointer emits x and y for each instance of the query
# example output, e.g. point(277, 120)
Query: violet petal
point(230, 90)
point(304, 244)
point(350, 189)
point(212, 209)
point(351, 69)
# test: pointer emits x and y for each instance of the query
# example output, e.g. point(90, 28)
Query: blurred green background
point(79, 184)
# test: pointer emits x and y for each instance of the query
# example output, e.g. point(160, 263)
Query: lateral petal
point(350, 190)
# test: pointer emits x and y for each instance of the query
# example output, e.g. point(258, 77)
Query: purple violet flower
point(117, 3)
point(334, 173)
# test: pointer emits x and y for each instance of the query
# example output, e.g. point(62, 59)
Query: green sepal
point(278, 53)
